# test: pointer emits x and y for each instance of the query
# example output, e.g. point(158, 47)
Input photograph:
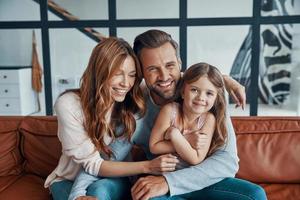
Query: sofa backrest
point(10, 156)
point(40, 146)
point(268, 148)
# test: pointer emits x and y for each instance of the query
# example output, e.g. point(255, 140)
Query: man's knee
point(233, 188)
point(258, 193)
point(251, 191)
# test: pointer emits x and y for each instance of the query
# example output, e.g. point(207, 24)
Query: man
point(211, 179)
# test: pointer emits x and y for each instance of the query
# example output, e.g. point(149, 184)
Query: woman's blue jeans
point(104, 189)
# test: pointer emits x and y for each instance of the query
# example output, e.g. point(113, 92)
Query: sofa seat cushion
point(40, 146)
point(282, 191)
point(6, 181)
point(10, 157)
point(26, 187)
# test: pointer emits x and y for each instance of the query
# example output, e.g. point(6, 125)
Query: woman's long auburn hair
point(95, 97)
point(193, 74)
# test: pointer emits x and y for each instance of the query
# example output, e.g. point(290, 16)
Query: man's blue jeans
point(118, 188)
point(104, 189)
point(227, 189)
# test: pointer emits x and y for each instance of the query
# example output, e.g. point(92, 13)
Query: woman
point(98, 116)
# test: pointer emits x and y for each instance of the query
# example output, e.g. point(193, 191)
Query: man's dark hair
point(153, 39)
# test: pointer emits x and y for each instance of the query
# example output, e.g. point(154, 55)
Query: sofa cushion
point(40, 146)
point(266, 147)
point(7, 181)
point(10, 157)
point(282, 191)
point(27, 187)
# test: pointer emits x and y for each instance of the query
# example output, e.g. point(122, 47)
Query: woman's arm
point(157, 143)
point(77, 145)
point(183, 147)
point(163, 163)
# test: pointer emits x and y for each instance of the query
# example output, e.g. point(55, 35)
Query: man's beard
point(165, 95)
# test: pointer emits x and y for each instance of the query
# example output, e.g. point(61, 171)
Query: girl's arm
point(185, 150)
point(157, 143)
point(80, 185)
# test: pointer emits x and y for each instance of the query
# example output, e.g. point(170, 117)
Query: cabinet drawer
point(9, 90)
point(9, 105)
point(9, 76)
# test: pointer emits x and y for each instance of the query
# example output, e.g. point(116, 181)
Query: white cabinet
point(16, 94)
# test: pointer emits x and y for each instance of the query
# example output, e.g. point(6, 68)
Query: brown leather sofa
point(268, 147)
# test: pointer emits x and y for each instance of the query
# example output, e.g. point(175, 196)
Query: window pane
point(70, 51)
point(78, 9)
point(16, 10)
point(279, 73)
point(226, 47)
point(16, 94)
point(130, 33)
point(217, 8)
point(145, 9)
point(280, 8)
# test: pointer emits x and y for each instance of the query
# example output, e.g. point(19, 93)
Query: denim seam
point(234, 193)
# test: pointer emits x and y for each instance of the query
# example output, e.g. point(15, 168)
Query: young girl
point(201, 109)
point(100, 117)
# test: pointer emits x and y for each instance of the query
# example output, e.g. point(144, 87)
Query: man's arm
point(236, 91)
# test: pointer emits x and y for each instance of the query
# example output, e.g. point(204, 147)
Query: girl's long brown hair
point(95, 97)
point(191, 75)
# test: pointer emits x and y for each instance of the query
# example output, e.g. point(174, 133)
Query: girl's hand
point(196, 139)
point(86, 198)
point(163, 163)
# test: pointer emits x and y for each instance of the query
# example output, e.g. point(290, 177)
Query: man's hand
point(196, 139)
point(148, 187)
point(86, 198)
point(236, 91)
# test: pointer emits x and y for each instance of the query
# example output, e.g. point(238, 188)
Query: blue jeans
point(104, 189)
point(229, 188)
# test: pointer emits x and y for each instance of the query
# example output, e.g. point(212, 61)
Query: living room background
point(256, 42)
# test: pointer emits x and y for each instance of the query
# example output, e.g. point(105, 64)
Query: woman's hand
point(86, 198)
point(163, 163)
